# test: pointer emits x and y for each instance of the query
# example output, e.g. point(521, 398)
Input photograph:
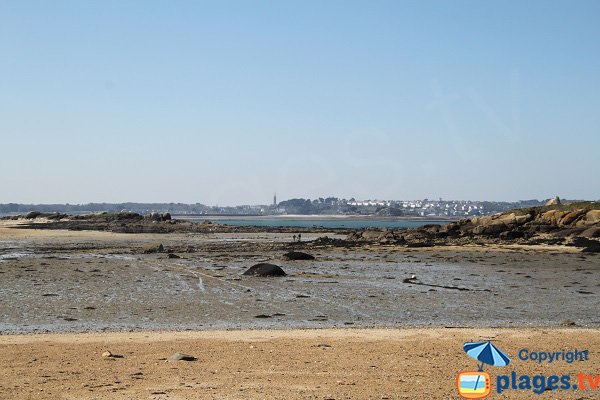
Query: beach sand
point(278, 364)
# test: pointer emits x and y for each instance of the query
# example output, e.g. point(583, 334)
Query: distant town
point(439, 208)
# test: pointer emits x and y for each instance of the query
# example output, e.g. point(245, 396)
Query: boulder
point(265, 269)
point(571, 217)
point(33, 215)
point(153, 248)
point(298, 255)
point(153, 216)
point(553, 202)
point(182, 357)
point(521, 219)
point(592, 217)
point(593, 232)
point(552, 216)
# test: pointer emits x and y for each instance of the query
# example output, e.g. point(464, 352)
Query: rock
point(553, 202)
point(172, 255)
point(587, 245)
point(265, 269)
point(552, 216)
point(33, 215)
point(431, 228)
point(153, 248)
point(153, 216)
point(372, 235)
point(592, 217)
point(57, 216)
point(108, 354)
point(490, 230)
point(510, 235)
point(182, 357)
point(593, 232)
point(567, 322)
point(572, 217)
point(298, 255)
point(521, 219)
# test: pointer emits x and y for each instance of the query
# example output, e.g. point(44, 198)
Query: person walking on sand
point(299, 238)
point(294, 238)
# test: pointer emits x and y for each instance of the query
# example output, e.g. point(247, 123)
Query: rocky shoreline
point(575, 224)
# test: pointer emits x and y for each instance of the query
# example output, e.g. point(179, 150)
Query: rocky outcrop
point(555, 224)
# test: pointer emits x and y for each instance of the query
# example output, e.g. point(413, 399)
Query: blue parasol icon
point(486, 353)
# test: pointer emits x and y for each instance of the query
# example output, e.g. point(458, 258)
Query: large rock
point(298, 255)
point(571, 217)
point(593, 232)
point(552, 216)
point(265, 269)
point(553, 202)
point(592, 217)
point(33, 215)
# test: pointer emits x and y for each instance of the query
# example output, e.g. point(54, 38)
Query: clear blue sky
point(226, 102)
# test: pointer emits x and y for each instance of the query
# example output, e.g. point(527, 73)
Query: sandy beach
point(277, 364)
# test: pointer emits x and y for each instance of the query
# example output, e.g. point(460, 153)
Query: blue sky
point(226, 102)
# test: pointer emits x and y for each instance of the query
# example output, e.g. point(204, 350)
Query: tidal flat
point(85, 281)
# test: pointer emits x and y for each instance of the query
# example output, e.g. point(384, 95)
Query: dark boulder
point(265, 269)
point(33, 215)
point(298, 255)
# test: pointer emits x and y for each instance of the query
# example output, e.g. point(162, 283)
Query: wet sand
point(90, 281)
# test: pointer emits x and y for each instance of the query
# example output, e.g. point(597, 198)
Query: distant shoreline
point(313, 217)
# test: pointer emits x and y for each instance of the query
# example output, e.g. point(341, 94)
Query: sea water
point(325, 223)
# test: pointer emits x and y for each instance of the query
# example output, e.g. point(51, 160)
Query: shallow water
point(324, 223)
